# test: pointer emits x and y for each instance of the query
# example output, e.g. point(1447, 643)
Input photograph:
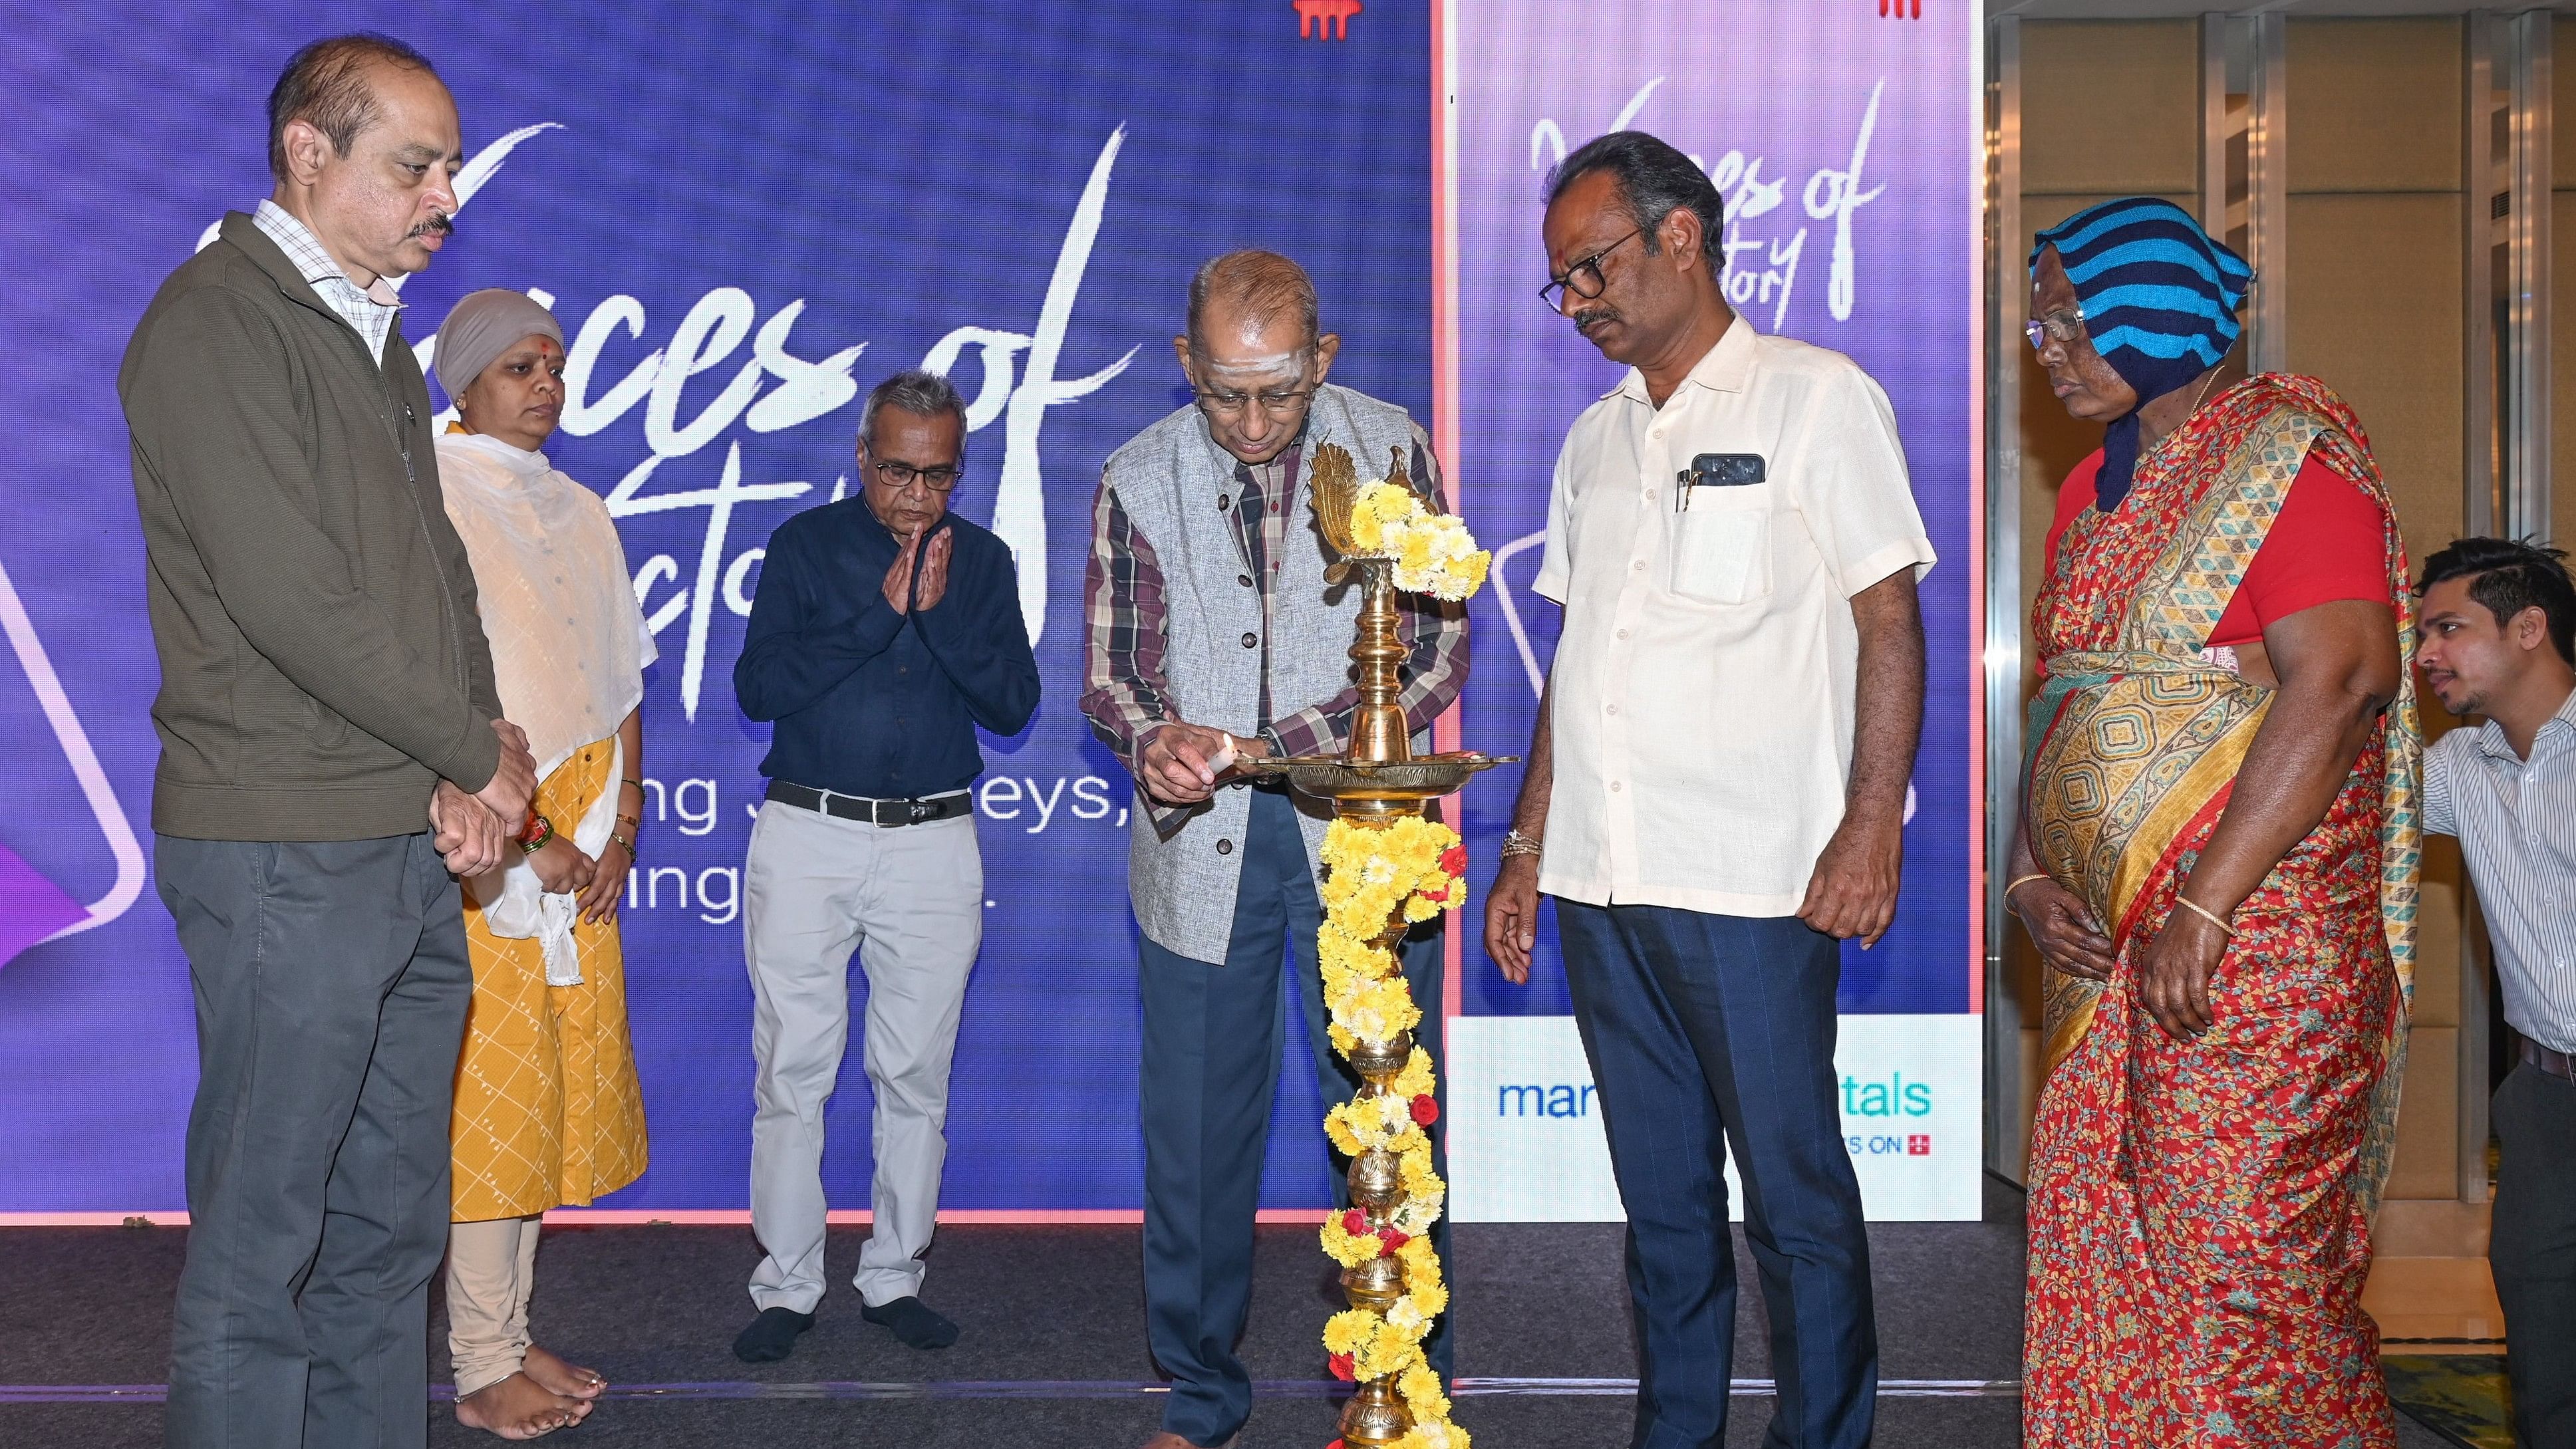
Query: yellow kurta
point(548, 1112)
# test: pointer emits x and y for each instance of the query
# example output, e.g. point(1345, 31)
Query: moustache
point(1590, 315)
point(439, 224)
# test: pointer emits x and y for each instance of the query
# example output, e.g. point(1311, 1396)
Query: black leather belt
point(2556, 1064)
point(888, 813)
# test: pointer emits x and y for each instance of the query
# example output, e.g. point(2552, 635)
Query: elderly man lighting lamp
point(1213, 637)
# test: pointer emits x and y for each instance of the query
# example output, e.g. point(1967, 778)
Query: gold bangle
point(2019, 881)
point(2188, 904)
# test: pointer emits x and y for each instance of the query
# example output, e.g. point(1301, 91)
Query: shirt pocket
point(1721, 546)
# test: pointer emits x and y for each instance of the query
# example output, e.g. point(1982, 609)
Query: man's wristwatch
point(1515, 843)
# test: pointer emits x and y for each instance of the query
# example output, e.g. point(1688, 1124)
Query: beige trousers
point(490, 1268)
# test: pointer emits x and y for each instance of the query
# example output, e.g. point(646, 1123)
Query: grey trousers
point(910, 900)
point(331, 987)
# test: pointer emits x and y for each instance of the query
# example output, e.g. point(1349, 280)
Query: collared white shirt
point(2516, 820)
point(1704, 679)
point(369, 309)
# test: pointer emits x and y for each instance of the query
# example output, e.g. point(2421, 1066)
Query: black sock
point(913, 1322)
point(772, 1336)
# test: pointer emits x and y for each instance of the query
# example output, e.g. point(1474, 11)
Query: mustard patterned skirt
point(548, 1112)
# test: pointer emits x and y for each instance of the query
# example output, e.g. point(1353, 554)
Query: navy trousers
point(1706, 1030)
point(1215, 1034)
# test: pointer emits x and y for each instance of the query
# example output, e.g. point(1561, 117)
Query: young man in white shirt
point(1716, 791)
point(2499, 640)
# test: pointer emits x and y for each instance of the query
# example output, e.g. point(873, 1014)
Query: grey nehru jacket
point(1168, 479)
point(322, 664)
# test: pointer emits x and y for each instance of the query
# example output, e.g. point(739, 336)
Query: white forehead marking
point(1286, 366)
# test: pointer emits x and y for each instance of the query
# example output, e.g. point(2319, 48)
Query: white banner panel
point(1525, 1141)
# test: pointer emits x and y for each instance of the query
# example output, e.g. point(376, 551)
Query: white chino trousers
point(910, 900)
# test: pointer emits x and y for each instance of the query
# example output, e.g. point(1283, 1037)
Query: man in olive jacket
point(331, 749)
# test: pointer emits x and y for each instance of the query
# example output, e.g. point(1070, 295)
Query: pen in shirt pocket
point(1717, 470)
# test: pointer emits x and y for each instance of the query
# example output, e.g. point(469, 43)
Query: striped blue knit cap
point(2160, 298)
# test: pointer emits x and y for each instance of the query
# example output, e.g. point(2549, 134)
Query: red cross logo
point(1919, 1145)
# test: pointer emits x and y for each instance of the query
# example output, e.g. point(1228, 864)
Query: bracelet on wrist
point(2022, 880)
point(539, 831)
point(626, 841)
point(1515, 843)
point(2206, 914)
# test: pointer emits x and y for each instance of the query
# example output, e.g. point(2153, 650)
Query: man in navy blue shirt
point(884, 631)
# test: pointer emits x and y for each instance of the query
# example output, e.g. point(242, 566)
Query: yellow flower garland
point(1433, 552)
point(1377, 878)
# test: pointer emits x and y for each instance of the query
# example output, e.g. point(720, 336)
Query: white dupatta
point(568, 645)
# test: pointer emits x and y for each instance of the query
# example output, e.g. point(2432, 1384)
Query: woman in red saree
point(2218, 862)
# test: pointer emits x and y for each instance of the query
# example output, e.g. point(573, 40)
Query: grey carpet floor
point(660, 1305)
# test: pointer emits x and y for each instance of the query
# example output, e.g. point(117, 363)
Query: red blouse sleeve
point(2327, 544)
point(2073, 497)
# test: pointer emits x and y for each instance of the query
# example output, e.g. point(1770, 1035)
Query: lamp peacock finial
point(1335, 487)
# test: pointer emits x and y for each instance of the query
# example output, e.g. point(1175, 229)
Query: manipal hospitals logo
point(1019, 383)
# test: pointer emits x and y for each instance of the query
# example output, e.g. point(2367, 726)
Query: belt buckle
point(919, 810)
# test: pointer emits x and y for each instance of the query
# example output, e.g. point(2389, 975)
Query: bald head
point(1246, 292)
point(1253, 353)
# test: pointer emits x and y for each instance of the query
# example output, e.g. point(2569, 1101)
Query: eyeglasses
point(1273, 404)
point(1584, 278)
point(899, 476)
point(2064, 326)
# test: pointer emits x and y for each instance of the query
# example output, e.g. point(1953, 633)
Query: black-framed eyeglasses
point(899, 476)
point(1275, 404)
point(1584, 278)
point(2065, 326)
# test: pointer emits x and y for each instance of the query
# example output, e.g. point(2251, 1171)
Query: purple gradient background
point(1792, 95)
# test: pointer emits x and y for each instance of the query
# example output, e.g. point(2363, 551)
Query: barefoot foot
point(558, 1377)
point(516, 1408)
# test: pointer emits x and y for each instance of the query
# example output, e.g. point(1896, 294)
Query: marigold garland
point(1406, 870)
point(1379, 878)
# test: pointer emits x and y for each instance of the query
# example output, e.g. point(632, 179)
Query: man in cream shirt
point(1716, 792)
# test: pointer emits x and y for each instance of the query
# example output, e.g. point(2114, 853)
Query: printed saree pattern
point(2200, 1211)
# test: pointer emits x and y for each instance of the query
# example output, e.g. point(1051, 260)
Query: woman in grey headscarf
point(547, 1112)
